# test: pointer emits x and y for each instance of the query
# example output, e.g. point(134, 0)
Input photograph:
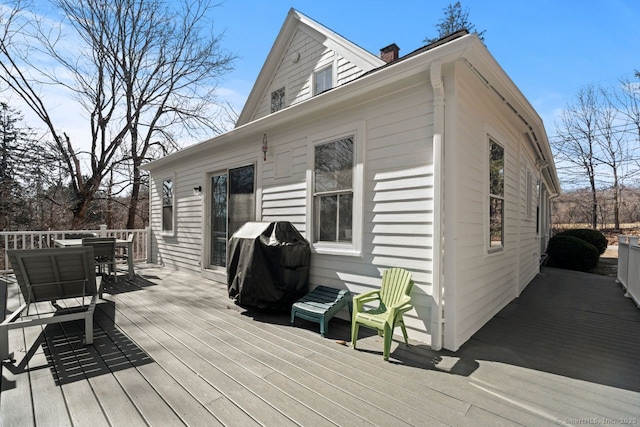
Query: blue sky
point(549, 48)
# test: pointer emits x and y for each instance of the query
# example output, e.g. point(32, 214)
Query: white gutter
point(534, 128)
point(438, 195)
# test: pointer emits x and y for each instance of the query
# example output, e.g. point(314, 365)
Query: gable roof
point(439, 42)
point(459, 47)
point(297, 21)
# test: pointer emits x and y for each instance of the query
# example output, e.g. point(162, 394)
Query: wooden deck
point(172, 349)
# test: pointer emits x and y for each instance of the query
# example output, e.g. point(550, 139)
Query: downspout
point(438, 204)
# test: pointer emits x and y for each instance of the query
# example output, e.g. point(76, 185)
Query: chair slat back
point(51, 274)
point(396, 282)
point(104, 248)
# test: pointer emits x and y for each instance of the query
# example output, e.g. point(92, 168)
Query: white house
point(434, 162)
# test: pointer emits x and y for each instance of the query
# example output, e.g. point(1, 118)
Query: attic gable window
point(323, 80)
point(277, 100)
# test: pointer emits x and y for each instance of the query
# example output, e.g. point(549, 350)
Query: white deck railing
point(629, 266)
point(44, 239)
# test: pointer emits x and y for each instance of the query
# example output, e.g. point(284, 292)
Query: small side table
point(320, 305)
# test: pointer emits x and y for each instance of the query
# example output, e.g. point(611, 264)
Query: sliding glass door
point(232, 204)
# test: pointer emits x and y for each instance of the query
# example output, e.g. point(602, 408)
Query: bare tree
point(145, 71)
point(628, 103)
point(613, 150)
point(576, 142)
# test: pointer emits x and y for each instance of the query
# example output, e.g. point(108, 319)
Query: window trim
point(174, 210)
point(353, 248)
point(530, 202)
point(489, 196)
point(538, 204)
point(284, 99)
point(207, 215)
point(323, 69)
point(337, 193)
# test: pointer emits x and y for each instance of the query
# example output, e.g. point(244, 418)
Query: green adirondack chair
point(394, 299)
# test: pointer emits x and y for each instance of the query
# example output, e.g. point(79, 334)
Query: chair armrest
point(404, 304)
point(361, 299)
point(400, 307)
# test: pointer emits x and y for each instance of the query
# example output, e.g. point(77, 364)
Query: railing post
point(633, 279)
point(623, 260)
point(148, 248)
point(103, 230)
point(4, 250)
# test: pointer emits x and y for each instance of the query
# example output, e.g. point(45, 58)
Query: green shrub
point(594, 237)
point(572, 253)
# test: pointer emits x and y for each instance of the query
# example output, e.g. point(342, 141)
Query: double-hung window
point(496, 196)
point(277, 100)
point(323, 80)
point(333, 191)
point(167, 206)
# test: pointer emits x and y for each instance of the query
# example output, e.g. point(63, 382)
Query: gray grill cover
point(268, 265)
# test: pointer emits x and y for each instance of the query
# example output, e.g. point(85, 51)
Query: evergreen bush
point(572, 253)
point(594, 237)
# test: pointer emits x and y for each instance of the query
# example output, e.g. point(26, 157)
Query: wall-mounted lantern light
point(265, 147)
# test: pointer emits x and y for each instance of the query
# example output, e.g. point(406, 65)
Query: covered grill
point(268, 265)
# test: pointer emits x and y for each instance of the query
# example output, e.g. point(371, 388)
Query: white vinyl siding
point(529, 238)
point(484, 282)
point(530, 194)
point(346, 71)
point(286, 203)
point(297, 76)
point(397, 194)
point(393, 123)
point(398, 201)
point(179, 250)
point(284, 198)
point(187, 249)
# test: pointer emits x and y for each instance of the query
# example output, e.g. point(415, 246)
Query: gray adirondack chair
point(48, 275)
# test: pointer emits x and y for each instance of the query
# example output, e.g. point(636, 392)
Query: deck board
point(175, 383)
point(234, 360)
point(48, 398)
point(215, 374)
point(16, 388)
point(344, 386)
point(172, 349)
point(122, 352)
point(115, 403)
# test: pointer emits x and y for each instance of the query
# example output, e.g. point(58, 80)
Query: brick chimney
point(390, 53)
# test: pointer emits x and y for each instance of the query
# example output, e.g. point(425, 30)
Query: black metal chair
point(104, 251)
